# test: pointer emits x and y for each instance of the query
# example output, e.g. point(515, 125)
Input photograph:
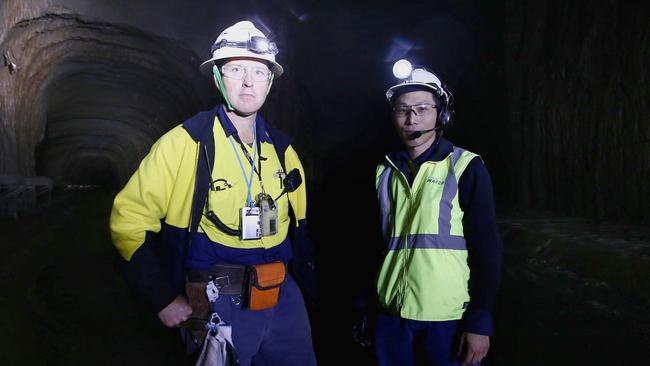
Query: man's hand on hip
point(176, 312)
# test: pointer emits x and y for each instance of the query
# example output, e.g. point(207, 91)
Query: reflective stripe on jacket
point(424, 275)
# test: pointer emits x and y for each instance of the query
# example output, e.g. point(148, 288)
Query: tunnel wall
point(577, 75)
point(91, 91)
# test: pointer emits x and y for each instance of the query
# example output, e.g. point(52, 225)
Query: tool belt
point(229, 278)
point(259, 286)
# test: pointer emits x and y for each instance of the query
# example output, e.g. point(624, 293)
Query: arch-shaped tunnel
point(96, 95)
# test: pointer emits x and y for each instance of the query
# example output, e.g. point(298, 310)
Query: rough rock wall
point(81, 100)
point(577, 75)
point(11, 12)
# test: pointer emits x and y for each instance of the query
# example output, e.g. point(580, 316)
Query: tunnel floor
point(573, 292)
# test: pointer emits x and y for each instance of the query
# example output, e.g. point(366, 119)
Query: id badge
point(250, 223)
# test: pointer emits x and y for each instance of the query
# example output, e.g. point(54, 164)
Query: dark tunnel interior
point(107, 99)
point(554, 96)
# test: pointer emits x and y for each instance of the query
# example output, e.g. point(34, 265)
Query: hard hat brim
point(276, 68)
point(395, 89)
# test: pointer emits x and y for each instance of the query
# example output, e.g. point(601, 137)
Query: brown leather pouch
point(200, 310)
point(264, 282)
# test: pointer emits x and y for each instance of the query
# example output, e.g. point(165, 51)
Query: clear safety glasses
point(422, 109)
point(239, 72)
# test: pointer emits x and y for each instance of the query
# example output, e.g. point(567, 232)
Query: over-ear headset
point(446, 108)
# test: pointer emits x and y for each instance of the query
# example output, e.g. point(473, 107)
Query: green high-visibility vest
point(425, 274)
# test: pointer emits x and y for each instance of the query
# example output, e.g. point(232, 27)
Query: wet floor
point(573, 293)
point(64, 302)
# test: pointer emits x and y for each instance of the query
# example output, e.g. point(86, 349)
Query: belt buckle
point(221, 281)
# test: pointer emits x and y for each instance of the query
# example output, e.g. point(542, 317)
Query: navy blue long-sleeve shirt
point(483, 240)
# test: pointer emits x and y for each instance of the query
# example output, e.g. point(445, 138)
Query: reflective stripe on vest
point(424, 275)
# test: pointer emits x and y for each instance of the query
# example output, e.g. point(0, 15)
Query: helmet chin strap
point(219, 81)
point(270, 83)
point(217, 78)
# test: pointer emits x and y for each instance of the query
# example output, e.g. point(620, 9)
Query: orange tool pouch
point(264, 282)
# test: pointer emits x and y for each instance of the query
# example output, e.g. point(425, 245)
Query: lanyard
point(258, 170)
point(249, 180)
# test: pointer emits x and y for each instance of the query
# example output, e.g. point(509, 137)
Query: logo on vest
point(435, 180)
point(220, 185)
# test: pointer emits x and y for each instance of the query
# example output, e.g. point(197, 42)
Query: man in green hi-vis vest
point(438, 281)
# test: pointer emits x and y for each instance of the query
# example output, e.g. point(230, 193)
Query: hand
point(361, 332)
point(477, 347)
point(175, 313)
point(305, 276)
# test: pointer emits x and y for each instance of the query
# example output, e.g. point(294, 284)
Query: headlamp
point(261, 44)
point(402, 69)
point(254, 44)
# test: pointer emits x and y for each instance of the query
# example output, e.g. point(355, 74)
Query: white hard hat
point(419, 76)
point(243, 40)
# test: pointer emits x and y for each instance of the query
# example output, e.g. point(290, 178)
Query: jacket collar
point(438, 151)
point(200, 125)
point(230, 130)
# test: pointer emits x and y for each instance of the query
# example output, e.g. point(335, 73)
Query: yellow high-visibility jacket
point(150, 220)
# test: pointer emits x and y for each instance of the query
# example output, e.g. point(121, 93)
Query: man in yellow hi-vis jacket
point(210, 206)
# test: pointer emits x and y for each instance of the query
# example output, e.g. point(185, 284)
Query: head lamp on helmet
point(402, 69)
point(414, 76)
point(243, 39)
point(259, 45)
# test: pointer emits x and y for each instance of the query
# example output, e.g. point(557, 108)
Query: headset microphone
point(417, 134)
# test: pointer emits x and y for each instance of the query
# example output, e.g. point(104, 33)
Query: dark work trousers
point(278, 336)
point(406, 342)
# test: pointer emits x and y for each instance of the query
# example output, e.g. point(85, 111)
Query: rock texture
point(87, 99)
point(578, 81)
